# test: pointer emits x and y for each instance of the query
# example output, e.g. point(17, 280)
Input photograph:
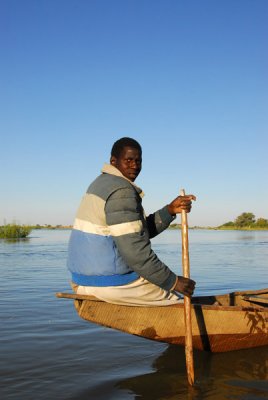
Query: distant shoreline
point(58, 227)
point(221, 228)
point(173, 226)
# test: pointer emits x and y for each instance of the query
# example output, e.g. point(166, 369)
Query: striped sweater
point(110, 241)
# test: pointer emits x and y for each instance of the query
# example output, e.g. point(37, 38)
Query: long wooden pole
point(187, 299)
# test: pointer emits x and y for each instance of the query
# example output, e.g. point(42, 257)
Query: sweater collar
point(110, 169)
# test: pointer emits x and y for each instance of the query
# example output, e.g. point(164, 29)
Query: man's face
point(128, 163)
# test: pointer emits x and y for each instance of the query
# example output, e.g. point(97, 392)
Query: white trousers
point(137, 293)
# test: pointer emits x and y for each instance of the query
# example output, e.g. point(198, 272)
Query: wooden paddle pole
point(187, 300)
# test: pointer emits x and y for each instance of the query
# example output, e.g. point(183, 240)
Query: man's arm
point(124, 217)
point(159, 221)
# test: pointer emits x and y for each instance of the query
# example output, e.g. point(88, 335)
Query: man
point(110, 254)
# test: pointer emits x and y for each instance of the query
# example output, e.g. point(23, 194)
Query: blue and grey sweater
point(110, 241)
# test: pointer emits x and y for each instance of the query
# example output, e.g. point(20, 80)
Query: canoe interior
point(219, 323)
point(253, 298)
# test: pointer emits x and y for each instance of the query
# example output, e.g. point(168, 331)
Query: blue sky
point(187, 79)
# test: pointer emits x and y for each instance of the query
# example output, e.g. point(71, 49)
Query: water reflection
point(16, 240)
point(239, 373)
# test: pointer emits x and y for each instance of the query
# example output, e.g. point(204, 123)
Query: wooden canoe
point(233, 321)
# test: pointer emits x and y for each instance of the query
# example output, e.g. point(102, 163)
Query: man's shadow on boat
point(169, 379)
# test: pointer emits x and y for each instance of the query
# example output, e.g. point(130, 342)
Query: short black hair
point(124, 142)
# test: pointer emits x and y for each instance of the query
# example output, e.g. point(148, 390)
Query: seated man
point(110, 254)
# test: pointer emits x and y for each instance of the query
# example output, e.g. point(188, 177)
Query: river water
point(48, 352)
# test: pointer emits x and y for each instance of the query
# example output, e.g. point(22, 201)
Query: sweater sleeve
point(159, 221)
point(124, 216)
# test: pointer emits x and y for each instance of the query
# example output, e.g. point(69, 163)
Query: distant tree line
point(246, 220)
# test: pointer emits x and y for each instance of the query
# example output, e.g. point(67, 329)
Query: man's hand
point(185, 286)
point(181, 203)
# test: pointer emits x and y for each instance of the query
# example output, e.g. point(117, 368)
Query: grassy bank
point(224, 228)
point(14, 231)
point(244, 228)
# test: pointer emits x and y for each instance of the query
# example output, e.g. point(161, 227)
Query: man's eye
point(131, 160)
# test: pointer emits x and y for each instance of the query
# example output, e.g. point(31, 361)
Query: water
point(48, 352)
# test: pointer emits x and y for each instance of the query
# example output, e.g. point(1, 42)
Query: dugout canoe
point(227, 322)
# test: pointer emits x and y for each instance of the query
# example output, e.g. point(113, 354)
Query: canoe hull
point(214, 328)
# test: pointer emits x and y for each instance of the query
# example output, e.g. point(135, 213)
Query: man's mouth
point(134, 172)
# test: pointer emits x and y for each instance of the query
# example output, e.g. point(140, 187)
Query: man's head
point(126, 156)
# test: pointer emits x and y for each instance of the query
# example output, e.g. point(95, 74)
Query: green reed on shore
point(14, 231)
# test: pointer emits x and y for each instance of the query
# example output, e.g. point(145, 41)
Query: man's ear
point(113, 160)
